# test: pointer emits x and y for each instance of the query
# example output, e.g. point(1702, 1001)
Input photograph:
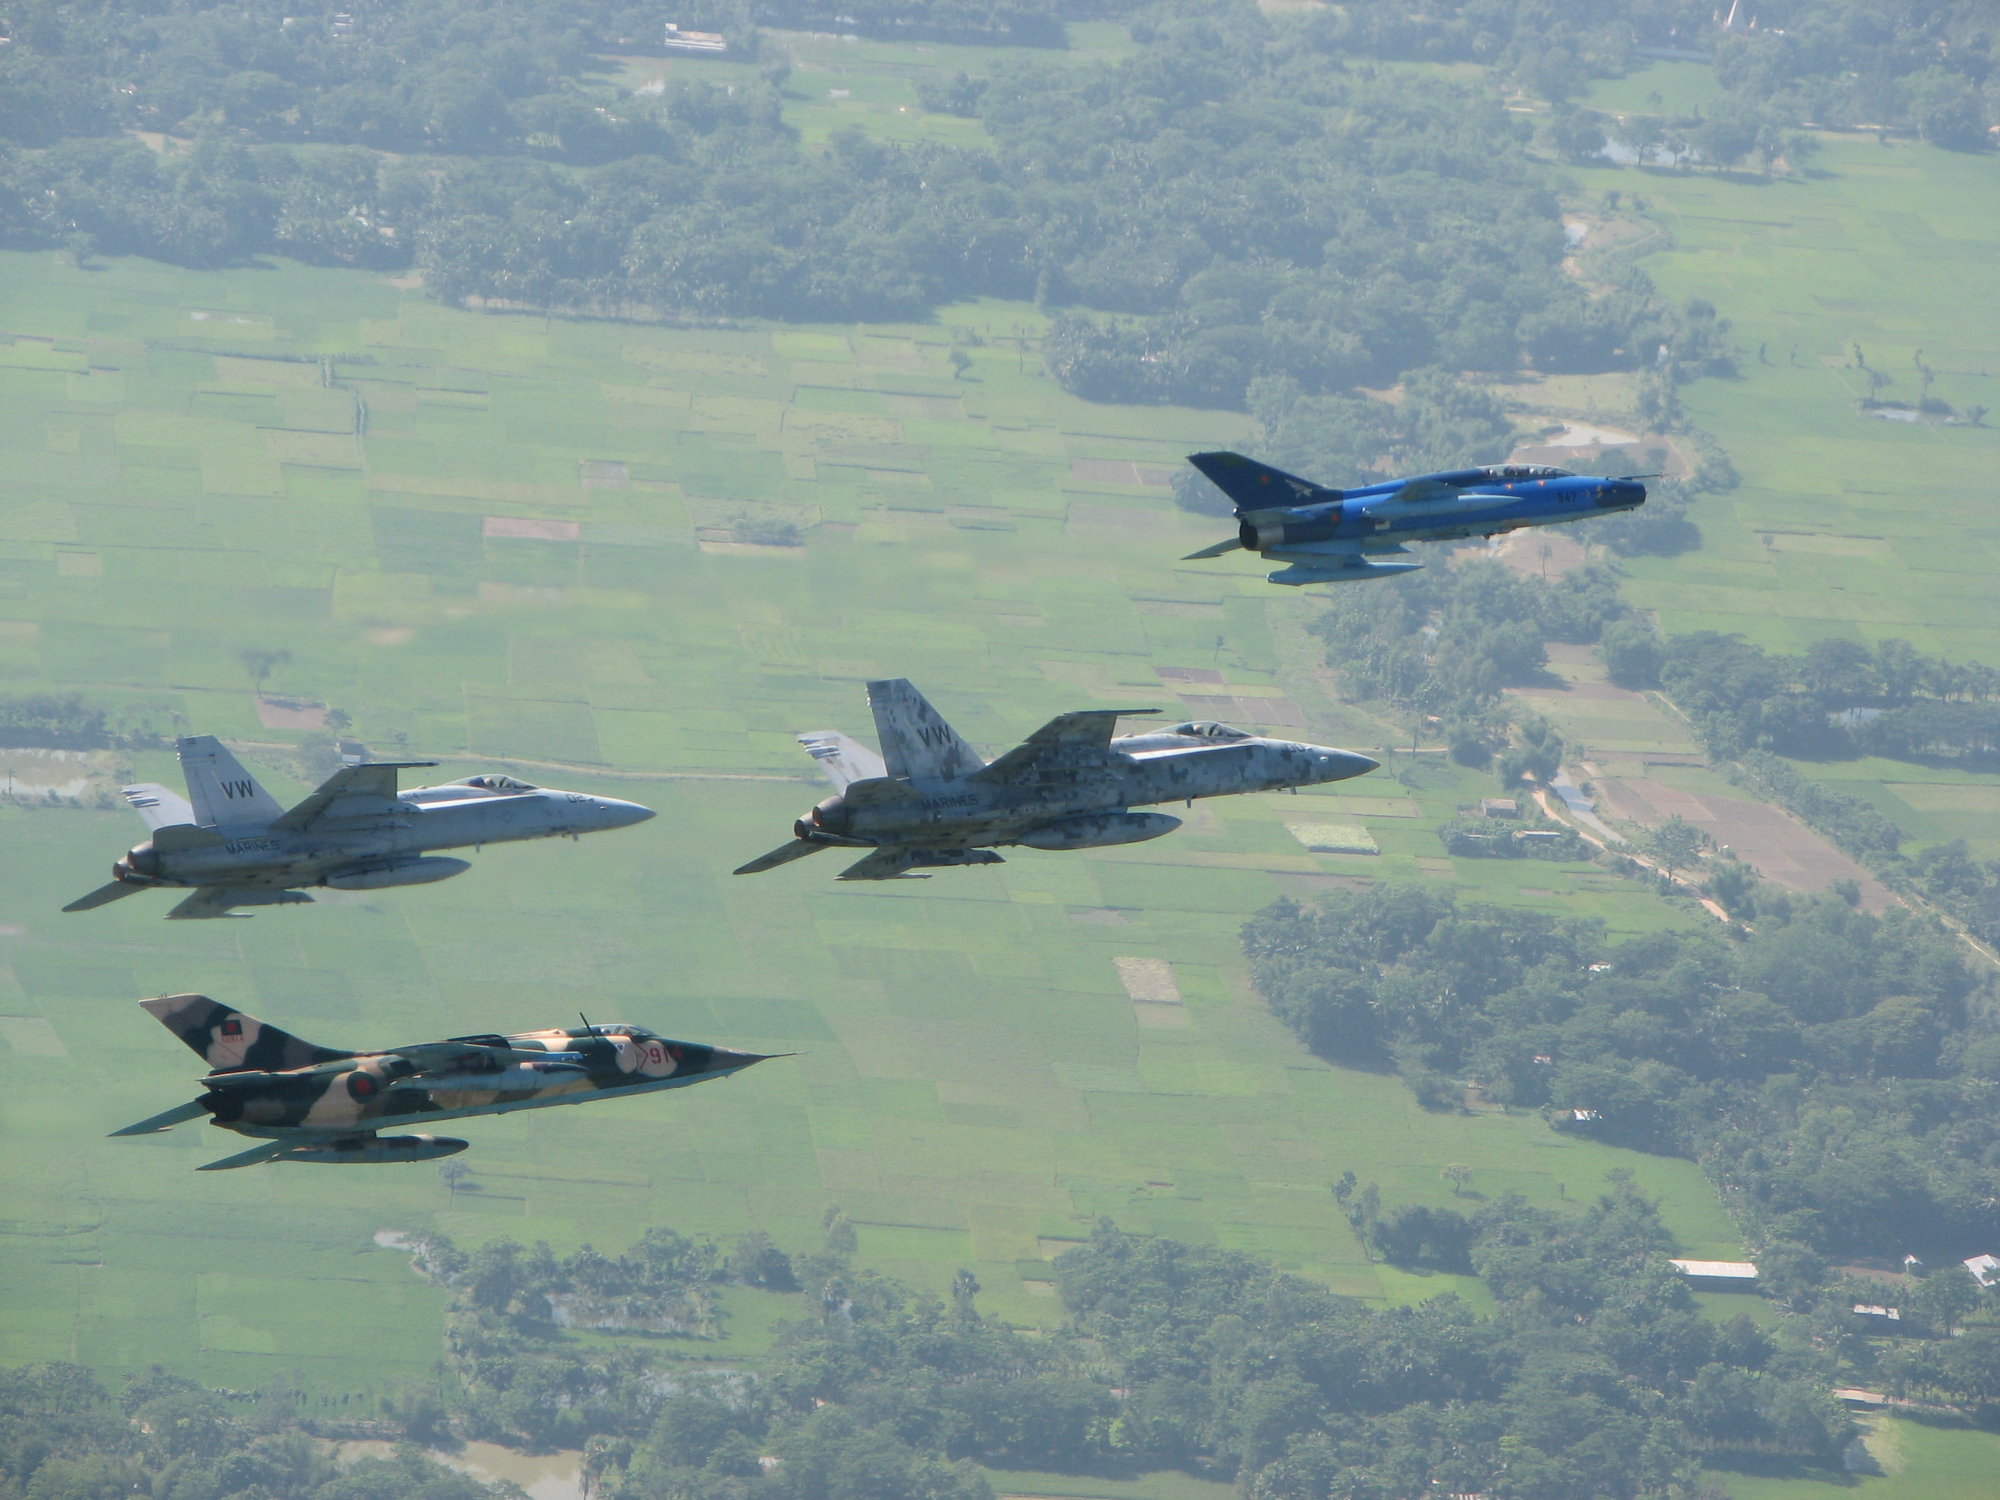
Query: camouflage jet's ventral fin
point(1254, 486)
point(222, 793)
point(230, 1041)
point(158, 806)
point(916, 741)
point(220, 900)
point(352, 795)
point(1069, 742)
point(845, 761)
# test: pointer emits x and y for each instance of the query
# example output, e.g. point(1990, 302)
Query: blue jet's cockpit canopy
point(1511, 472)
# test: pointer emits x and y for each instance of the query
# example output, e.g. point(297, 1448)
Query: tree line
point(1598, 1378)
point(1831, 1070)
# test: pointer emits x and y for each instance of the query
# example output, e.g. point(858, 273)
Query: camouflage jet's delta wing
point(1341, 536)
point(230, 844)
point(929, 799)
point(305, 1103)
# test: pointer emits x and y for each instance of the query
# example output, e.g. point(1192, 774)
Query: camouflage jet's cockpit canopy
point(1526, 471)
point(1208, 729)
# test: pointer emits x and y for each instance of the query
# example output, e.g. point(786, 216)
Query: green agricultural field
point(1847, 524)
point(639, 559)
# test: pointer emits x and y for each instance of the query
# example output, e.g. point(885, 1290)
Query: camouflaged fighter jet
point(929, 799)
point(1342, 536)
point(319, 1104)
point(231, 843)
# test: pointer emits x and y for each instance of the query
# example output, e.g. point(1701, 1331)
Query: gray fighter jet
point(928, 799)
point(231, 843)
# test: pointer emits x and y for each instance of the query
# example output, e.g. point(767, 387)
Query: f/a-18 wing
point(351, 796)
point(1078, 741)
point(845, 761)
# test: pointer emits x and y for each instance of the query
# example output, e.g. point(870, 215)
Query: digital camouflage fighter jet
point(230, 843)
point(929, 799)
point(1338, 536)
point(319, 1104)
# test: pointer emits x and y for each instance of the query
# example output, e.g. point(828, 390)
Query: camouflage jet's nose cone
point(724, 1060)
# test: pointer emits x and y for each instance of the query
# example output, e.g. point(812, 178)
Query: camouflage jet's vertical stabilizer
point(916, 741)
point(229, 1041)
point(223, 793)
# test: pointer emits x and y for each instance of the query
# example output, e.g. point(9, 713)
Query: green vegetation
point(1827, 1070)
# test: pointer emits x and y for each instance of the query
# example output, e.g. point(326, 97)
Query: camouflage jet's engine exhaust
point(929, 800)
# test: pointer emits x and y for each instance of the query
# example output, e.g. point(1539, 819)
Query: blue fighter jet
point(1341, 536)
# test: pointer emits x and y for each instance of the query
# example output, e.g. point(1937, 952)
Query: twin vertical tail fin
point(916, 741)
point(229, 1041)
point(221, 791)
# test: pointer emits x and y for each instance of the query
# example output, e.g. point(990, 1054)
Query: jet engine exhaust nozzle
point(139, 865)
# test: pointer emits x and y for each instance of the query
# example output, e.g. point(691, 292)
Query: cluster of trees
point(1323, 226)
point(1599, 1379)
point(1833, 1071)
point(64, 1437)
point(521, 1378)
point(53, 721)
point(1837, 699)
point(1445, 643)
point(1929, 68)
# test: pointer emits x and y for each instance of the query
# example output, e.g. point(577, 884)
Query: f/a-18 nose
point(1338, 765)
point(609, 812)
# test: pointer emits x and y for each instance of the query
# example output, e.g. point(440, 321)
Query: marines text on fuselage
point(1339, 536)
point(929, 799)
point(318, 1104)
point(231, 844)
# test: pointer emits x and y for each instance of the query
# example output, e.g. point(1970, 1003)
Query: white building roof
point(1721, 1270)
point(1985, 1269)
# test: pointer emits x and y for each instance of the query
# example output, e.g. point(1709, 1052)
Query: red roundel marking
point(361, 1085)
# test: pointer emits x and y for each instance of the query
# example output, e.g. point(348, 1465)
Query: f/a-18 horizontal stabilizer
point(219, 900)
point(845, 761)
point(1252, 485)
point(194, 1109)
point(104, 895)
point(896, 864)
point(158, 806)
point(784, 854)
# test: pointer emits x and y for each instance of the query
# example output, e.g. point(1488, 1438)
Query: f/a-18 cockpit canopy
point(1208, 729)
point(493, 781)
point(1510, 472)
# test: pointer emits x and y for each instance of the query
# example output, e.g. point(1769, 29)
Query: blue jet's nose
point(1621, 493)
